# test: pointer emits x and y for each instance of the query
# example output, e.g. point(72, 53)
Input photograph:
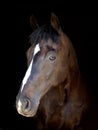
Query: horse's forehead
point(49, 43)
point(43, 44)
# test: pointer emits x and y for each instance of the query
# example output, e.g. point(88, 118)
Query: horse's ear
point(33, 22)
point(55, 22)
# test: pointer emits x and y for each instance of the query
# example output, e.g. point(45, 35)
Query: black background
point(79, 23)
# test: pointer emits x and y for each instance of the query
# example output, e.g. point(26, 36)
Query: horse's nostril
point(26, 104)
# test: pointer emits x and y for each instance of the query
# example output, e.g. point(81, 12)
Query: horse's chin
point(31, 113)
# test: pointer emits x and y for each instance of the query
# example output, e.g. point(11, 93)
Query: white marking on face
point(19, 106)
point(27, 75)
point(37, 49)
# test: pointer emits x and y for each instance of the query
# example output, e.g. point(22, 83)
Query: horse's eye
point(52, 58)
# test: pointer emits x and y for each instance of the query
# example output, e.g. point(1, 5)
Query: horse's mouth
point(30, 113)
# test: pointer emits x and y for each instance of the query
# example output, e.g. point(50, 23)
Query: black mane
point(44, 32)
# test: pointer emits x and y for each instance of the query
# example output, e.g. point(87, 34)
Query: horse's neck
point(76, 88)
point(57, 102)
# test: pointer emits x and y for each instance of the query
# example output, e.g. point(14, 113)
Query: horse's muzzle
point(26, 107)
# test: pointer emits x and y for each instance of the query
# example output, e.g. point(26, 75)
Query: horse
point(52, 91)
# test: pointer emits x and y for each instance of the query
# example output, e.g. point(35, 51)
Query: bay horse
point(52, 90)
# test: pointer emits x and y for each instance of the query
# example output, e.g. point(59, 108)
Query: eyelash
point(50, 48)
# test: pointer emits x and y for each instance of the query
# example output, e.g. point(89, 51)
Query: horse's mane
point(44, 32)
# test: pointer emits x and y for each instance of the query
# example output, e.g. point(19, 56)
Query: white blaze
point(37, 48)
